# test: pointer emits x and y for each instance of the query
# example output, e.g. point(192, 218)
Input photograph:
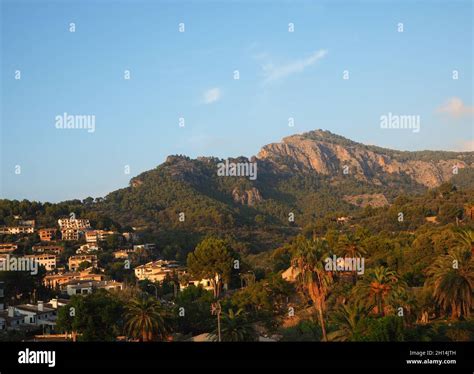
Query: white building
point(148, 246)
point(87, 248)
point(94, 236)
point(156, 271)
point(74, 223)
point(46, 259)
point(37, 314)
point(86, 287)
point(204, 283)
point(11, 320)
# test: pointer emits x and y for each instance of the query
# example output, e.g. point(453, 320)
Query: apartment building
point(46, 235)
point(156, 271)
point(75, 261)
point(22, 230)
point(15, 230)
point(56, 249)
point(86, 287)
point(91, 236)
point(74, 223)
point(94, 236)
point(56, 280)
point(70, 234)
point(6, 248)
point(45, 259)
point(22, 227)
point(72, 228)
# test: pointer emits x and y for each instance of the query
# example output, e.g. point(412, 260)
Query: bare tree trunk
point(380, 307)
point(454, 311)
point(321, 321)
point(216, 288)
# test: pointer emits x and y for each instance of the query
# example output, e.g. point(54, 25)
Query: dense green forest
point(409, 289)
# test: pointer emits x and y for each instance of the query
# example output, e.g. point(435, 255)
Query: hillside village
point(76, 274)
point(90, 265)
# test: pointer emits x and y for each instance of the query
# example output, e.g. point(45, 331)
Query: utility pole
point(175, 289)
point(216, 310)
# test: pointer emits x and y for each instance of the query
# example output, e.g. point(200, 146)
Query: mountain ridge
point(326, 153)
point(301, 181)
point(303, 174)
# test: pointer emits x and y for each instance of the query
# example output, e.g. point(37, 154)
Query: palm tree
point(451, 278)
point(312, 278)
point(350, 320)
point(465, 239)
point(378, 287)
point(235, 328)
point(352, 247)
point(145, 319)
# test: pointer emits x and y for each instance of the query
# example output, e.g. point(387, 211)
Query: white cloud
point(466, 146)
point(261, 56)
point(212, 95)
point(273, 73)
point(455, 107)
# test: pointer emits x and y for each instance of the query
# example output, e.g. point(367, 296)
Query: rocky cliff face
point(249, 197)
point(329, 154)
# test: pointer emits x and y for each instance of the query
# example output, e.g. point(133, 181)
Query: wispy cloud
point(465, 146)
point(212, 95)
point(273, 72)
point(455, 107)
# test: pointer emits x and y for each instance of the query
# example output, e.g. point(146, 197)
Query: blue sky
point(282, 74)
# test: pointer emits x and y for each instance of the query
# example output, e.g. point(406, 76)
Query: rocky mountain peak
point(329, 154)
